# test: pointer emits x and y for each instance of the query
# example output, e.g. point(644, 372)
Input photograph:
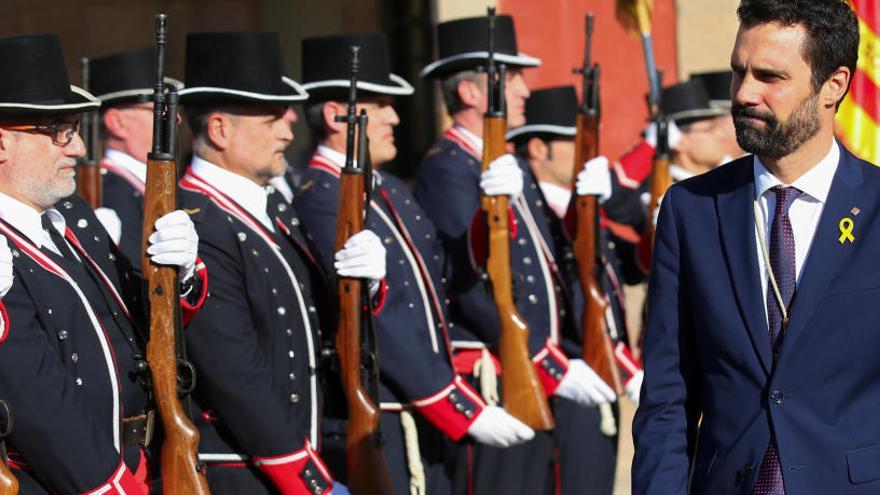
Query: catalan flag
point(858, 120)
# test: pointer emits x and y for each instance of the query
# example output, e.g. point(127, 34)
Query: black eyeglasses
point(62, 132)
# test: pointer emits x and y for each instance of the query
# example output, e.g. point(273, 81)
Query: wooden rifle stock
point(365, 462)
point(88, 171)
point(598, 350)
point(523, 394)
point(181, 473)
point(8, 481)
point(367, 472)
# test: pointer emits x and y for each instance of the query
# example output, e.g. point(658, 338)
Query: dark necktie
point(782, 261)
point(57, 239)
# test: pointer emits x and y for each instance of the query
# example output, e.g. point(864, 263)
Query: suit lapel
point(737, 225)
point(827, 255)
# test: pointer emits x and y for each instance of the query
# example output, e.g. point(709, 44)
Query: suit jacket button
point(294, 398)
point(776, 397)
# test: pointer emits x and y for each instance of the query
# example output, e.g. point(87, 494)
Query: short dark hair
point(314, 117)
point(831, 26)
point(449, 89)
point(197, 117)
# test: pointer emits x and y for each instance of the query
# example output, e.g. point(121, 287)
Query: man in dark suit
point(760, 352)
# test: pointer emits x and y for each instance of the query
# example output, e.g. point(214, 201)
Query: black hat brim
point(541, 129)
point(134, 95)
point(210, 94)
point(77, 100)
point(339, 88)
point(690, 116)
point(470, 60)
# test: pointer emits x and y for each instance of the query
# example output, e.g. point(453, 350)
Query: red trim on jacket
point(296, 473)
point(191, 310)
point(123, 482)
point(4, 322)
point(464, 361)
point(634, 167)
point(552, 365)
point(453, 409)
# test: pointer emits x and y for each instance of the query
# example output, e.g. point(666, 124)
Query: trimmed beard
point(776, 139)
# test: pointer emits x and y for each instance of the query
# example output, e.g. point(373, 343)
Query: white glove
point(503, 178)
point(111, 222)
point(362, 256)
point(5, 266)
point(496, 428)
point(595, 179)
point(582, 385)
point(634, 387)
point(674, 134)
point(175, 242)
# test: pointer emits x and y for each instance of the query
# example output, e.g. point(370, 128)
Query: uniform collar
point(27, 220)
point(815, 183)
point(337, 160)
point(245, 192)
point(126, 161)
point(472, 139)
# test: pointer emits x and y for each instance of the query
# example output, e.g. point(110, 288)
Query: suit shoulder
point(720, 179)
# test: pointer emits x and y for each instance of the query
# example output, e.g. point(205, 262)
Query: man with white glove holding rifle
point(424, 402)
point(72, 364)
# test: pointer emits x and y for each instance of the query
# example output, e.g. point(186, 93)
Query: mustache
point(740, 111)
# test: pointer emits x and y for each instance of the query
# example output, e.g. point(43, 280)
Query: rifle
point(181, 473)
point(88, 171)
point(8, 481)
point(366, 469)
point(597, 346)
point(660, 178)
point(524, 396)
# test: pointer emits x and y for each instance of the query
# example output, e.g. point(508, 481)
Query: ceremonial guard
point(448, 186)
point(422, 398)
point(256, 345)
point(72, 360)
point(545, 145)
point(123, 82)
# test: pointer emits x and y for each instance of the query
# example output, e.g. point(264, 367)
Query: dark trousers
point(587, 457)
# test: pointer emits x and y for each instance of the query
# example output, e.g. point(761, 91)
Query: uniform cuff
point(121, 482)
point(628, 364)
point(453, 409)
point(193, 302)
point(552, 365)
point(298, 473)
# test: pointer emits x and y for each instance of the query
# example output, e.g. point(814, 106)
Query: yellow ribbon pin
point(846, 228)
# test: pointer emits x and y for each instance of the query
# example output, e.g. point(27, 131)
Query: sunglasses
point(61, 133)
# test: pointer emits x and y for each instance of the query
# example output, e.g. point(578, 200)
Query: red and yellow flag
point(858, 120)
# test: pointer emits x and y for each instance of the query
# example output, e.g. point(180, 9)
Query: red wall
point(553, 30)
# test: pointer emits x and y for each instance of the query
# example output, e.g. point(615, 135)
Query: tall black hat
point(463, 44)
point(327, 67)
point(35, 80)
point(126, 77)
point(717, 86)
point(237, 67)
point(549, 111)
point(687, 102)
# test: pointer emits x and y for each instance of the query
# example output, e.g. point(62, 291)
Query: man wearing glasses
point(123, 82)
point(72, 362)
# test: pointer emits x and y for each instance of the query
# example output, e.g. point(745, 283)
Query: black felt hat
point(35, 81)
point(463, 44)
point(126, 77)
point(237, 67)
point(549, 111)
point(717, 86)
point(687, 102)
point(327, 67)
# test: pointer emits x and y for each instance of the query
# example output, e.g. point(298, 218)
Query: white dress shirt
point(245, 192)
point(28, 221)
point(475, 141)
point(557, 197)
point(804, 212)
point(126, 161)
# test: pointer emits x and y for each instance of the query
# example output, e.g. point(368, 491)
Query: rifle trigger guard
point(6, 418)
point(186, 377)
